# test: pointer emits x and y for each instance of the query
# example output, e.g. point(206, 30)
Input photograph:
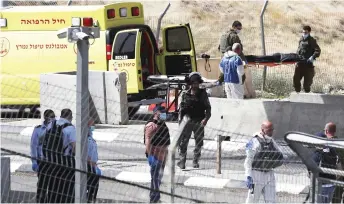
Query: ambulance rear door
point(126, 58)
point(178, 55)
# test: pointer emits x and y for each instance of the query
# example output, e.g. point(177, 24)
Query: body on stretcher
point(274, 60)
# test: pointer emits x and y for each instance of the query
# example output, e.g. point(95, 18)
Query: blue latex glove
point(311, 59)
point(151, 160)
point(35, 167)
point(249, 182)
point(98, 171)
point(218, 83)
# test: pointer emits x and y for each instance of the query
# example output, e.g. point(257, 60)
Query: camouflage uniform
point(227, 40)
point(197, 107)
point(307, 47)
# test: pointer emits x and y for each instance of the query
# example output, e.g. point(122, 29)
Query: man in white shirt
point(232, 68)
point(263, 156)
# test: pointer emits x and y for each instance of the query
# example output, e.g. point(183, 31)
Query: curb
point(187, 181)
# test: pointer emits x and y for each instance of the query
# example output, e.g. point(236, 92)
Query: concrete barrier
point(317, 98)
point(107, 90)
point(246, 116)
point(5, 179)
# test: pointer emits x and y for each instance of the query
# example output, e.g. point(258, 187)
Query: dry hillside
point(283, 21)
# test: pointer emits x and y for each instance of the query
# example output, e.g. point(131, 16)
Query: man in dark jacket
point(329, 158)
point(309, 50)
point(195, 104)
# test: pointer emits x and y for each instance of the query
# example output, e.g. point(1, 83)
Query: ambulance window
point(124, 46)
point(177, 39)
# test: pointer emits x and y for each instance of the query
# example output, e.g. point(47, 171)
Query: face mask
point(238, 31)
point(92, 128)
point(162, 116)
point(305, 35)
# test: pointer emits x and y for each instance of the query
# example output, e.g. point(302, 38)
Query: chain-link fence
point(126, 174)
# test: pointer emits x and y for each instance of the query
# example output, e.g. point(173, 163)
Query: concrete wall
point(246, 116)
point(58, 91)
point(5, 179)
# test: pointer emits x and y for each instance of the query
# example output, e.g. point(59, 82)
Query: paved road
point(23, 186)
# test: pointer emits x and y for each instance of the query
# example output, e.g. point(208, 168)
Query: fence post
point(263, 40)
point(218, 154)
point(172, 158)
point(82, 116)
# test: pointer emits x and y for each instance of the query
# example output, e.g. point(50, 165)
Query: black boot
point(195, 164)
point(181, 164)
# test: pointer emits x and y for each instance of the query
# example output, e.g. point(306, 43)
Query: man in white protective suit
point(262, 156)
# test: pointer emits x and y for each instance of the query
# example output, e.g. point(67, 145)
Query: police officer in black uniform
point(309, 50)
point(195, 104)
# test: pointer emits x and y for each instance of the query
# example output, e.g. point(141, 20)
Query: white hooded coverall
point(235, 91)
point(264, 182)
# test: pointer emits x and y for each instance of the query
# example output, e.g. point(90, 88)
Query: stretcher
point(274, 59)
point(270, 64)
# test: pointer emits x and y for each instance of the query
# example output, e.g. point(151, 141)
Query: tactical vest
point(161, 136)
point(268, 157)
point(305, 48)
point(328, 159)
point(52, 147)
point(194, 106)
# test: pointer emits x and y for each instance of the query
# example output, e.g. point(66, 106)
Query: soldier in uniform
point(195, 104)
point(309, 50)
point(230, 37)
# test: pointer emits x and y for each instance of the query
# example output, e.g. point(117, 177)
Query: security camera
point(62, 33)
point(82, 36)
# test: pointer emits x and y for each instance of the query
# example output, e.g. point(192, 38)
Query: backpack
point(161, 137)
point(52, 148)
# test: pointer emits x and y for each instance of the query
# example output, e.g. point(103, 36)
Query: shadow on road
point(29, 197)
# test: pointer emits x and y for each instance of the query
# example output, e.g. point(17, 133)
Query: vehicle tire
point(132, 111)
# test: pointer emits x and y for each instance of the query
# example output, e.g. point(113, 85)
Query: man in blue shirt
point(38, 164)
point(232, 68)
point(61, 155)
point(92, 168)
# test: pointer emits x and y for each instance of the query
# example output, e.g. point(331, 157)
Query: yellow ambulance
point(29, 47)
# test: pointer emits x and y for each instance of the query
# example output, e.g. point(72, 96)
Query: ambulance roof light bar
point(123, 12)
point(76, 22)
point(3, 22)
point(87, 22)
point(135, 11)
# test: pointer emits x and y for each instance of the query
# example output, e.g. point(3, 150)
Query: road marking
point(290, 188)
point(27, 131)
point(104, 136)
point(137, 177)
point(14, 166)
point(206, 182)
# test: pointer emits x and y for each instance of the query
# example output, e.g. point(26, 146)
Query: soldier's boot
point(181, 164)
point(182, 160)
point(195, 163)
point(197, 155)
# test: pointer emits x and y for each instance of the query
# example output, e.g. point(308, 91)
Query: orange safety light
point(135, 11)
point(87, 22)
point(111, 13)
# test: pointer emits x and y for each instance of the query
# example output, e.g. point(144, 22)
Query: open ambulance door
point(125, 57)
point(178, 56)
